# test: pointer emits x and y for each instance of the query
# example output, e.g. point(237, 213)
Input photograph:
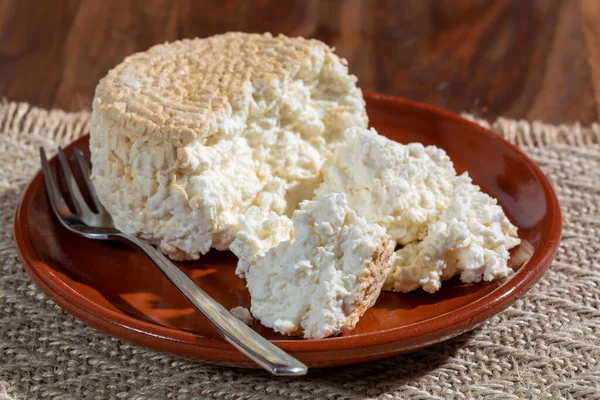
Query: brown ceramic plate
point(117, 290)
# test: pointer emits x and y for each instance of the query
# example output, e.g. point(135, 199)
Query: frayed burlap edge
point(60, 126)
point(538, 134)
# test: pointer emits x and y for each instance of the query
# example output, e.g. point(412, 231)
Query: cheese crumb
point(319, 283)
point(243, 315)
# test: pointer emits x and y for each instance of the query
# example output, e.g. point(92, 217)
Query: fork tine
point(78, 201)
point(85, 170)
point(59, 206)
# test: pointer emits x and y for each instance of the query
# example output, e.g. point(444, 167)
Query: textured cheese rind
point(259, 232)
point(472, 239)
point(322, 281)
point(404, 188)
point(186, 136)
point(206, 89)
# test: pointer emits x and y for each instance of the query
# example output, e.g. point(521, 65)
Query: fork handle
point(242, 337)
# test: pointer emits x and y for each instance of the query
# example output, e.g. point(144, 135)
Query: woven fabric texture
point(546, 345)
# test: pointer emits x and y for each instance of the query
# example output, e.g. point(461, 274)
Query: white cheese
point(243, 315)
point(322, 281)
point(472, 239)
point(259, 232)
point(188, 135)
point(404, 188)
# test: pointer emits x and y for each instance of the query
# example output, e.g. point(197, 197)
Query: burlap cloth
point(545, 345)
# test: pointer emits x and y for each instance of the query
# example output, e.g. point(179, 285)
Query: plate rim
point(164, 338)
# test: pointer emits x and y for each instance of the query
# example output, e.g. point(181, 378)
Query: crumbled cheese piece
point(404, 188)
point(243, 315)
point(322, 281)
point(259, 232)
point(472, 239)
point(187, 136)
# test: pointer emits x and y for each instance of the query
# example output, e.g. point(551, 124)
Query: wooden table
point(515, 58)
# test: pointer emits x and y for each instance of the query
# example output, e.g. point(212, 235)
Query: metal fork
point(99, 225)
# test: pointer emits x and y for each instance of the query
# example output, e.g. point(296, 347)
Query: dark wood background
point(534, 59)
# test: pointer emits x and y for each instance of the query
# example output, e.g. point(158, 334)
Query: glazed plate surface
point(116, 289)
